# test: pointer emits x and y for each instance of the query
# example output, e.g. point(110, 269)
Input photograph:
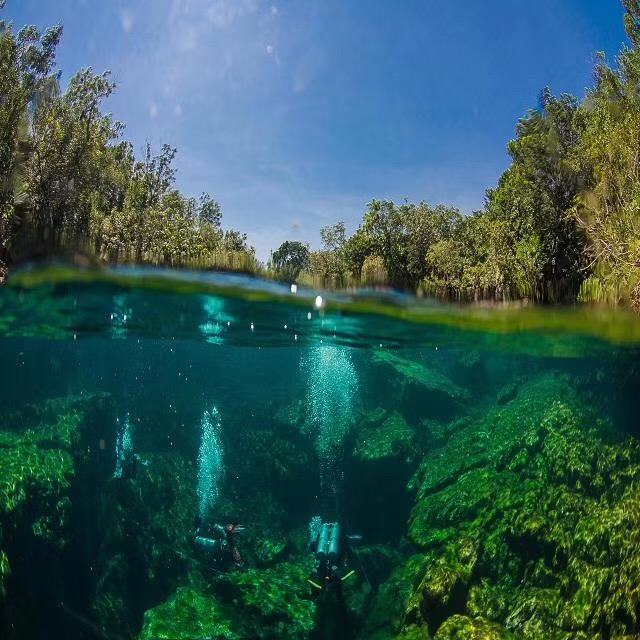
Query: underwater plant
point(210, 463)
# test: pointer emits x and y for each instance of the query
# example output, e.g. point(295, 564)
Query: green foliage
point(67, 183)
point(26, 59)
point(402, 235)
point(609, 210)
point(328, 267)
point(289, 259)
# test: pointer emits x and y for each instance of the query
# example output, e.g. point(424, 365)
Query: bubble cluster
point(210, 463)
point(331, 387)
point(124, 444)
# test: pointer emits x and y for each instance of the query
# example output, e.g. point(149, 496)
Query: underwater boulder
point(507, 393)
point(392, 438)
point(147, 516)
point(386, 612)
point(272, 603)
point(444, 587)
point(459, 627)
point(269, 551)
point(189, 615)
point(422, 375)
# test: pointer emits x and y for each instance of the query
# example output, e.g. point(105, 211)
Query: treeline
point(562, 223)
point(68, 182)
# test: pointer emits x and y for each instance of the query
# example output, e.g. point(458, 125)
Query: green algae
point(188, 615)
point(553, 511)
point(390, 438)
point(274, 602)
point(151, 515)
point(37, 465)
point(460, 627)
point(257, 603)
point(428, 378)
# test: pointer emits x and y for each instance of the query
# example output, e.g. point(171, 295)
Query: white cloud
point(178, 110)
point(127, 18)
point(153, 110)
point(269, 49)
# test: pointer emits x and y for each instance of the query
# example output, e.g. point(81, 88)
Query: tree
point(328, 265)
point(533, 200)
point(609, 210)
point(26, 60)
point(289, 259)
point(69, 134)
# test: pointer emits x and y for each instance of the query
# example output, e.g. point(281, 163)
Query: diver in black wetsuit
point(331, 550)
point(219, 542)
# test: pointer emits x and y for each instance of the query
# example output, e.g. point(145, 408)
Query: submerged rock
point(553, 512)
point(257, 603)
point(424, 376)
point(464, 628)
point(391, 438)
point(188, 615)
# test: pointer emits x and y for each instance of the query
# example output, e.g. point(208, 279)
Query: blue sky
point(294, 114)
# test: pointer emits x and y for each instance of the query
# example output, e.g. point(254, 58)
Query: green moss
point(392, 438)
point(188, 615)
point(427, 377)
point(270, 603)
point(274, 602)
point(5, 570)
point(460, 627)
point(554, 511)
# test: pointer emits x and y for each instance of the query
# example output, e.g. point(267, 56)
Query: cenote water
point(197, 456)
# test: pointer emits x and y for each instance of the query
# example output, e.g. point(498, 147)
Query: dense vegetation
point(563, 221)
point(69, 183)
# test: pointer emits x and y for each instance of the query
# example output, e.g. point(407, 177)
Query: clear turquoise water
point(295, 380)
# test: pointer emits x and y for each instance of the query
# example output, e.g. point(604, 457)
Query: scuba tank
point(323, 541)
point(333, 549)
point(209, 544)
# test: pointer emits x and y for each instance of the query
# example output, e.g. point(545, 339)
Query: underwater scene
point(198, 457)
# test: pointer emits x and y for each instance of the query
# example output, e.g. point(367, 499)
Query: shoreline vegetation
point(562, 224)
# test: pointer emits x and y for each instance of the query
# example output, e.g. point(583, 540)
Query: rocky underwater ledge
point(513, 514)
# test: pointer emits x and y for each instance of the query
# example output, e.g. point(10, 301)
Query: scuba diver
point(219, 543)
point(331, 550)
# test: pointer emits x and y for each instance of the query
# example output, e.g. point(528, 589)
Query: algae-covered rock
point(150, 515)
point(392, 438)
point(274, 602)
point(553, 512)
point(188, 615)
point(387, 612)
point(507, 393)
point(37, 449)
point(427, 377)
point(459, 627)
point(268, 551)
point(258, 603)
point(492, 432)
point(445, 584)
